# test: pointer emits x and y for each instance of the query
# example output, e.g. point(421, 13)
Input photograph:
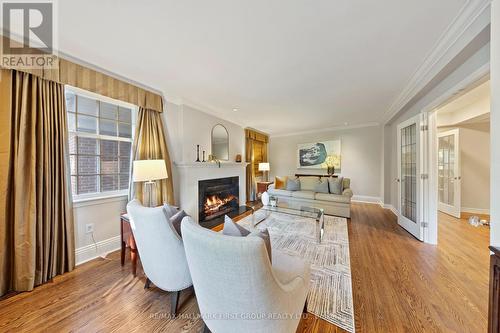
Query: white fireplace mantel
point(190, 173)
point(210, 164)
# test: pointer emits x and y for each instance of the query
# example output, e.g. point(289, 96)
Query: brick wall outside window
point(100, 143)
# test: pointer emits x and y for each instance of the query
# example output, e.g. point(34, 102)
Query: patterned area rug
point(330, 294)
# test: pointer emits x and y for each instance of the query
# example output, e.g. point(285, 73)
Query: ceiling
point(286, 65)
point(469, 107)
point(476, 96)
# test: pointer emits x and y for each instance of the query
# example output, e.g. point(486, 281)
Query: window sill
point(99, 199)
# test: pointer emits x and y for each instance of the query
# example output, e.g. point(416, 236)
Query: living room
point(246, 166)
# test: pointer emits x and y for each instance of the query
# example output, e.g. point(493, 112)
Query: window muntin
point(100, 144)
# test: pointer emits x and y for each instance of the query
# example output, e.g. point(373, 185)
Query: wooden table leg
point(133, 255)
point(124, 246)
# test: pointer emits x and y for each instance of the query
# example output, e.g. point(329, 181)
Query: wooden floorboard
point(399, 285)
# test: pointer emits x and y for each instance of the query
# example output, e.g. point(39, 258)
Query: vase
point(265, 198)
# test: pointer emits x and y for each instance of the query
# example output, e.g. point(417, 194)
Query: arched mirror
point(220, 142)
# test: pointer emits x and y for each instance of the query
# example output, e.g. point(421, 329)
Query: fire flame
point(213, 203)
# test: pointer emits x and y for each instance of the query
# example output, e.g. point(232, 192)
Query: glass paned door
point(409, 176)
point(449, 172)
point(409, 172)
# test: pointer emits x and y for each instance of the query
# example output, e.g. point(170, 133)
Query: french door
point(449, 172)
point(409, 192)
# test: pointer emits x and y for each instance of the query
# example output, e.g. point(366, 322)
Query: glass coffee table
point(296, 209)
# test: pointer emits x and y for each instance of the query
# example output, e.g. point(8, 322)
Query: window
point(100, 143)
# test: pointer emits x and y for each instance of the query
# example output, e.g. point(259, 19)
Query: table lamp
point(265, 167)
point(148, 171)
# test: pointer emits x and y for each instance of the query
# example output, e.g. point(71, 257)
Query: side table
point(262, 187)
point(128, 241)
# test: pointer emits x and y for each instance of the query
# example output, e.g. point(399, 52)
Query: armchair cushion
point(169, 210)
point(176, 220)
point(233, 229)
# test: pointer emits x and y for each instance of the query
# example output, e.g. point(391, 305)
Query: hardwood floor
point(399, 285)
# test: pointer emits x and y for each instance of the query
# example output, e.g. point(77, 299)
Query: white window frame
point(135, 109)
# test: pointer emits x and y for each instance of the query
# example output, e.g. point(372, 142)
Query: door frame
point(452, 210)
point(430, 201)
point(415, 228)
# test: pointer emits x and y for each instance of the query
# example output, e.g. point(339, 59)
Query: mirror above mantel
point(220, 142)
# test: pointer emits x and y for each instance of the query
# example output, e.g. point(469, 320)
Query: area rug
point(330, 293)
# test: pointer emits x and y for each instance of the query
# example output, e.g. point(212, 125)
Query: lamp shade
point(264, 167)
point(147, 170)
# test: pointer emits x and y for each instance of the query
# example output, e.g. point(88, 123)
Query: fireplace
point(217, 197)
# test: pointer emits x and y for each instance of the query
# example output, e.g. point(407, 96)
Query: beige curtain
point(149, 143)
point(68, 72)
point(5, 230)
point(39, 211)
point(252, 139)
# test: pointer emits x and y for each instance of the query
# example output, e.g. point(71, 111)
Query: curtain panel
point(38, 224)
point(252, 140)
point(149, 143)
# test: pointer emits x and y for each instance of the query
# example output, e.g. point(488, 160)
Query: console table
point(127, 240)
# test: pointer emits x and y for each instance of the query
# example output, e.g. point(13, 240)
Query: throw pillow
point(280, 182)
point(336, 185)
point(264, 234)
point(292, 185)
point(169, 211)
point(308, 183)
point(321, 187)
point(233, 229)
point(176, 220)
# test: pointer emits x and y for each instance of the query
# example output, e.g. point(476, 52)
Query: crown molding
point(327, 129)
point(432, 64)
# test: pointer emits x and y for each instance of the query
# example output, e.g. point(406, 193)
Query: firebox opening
point(217, 197)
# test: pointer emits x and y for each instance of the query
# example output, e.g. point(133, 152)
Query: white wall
point(475, 166)
point(361, 157)
point(104, 214)
point(495, 124)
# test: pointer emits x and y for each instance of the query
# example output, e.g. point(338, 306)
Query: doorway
point(462, 162)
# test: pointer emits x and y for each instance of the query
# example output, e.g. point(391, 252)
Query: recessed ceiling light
point(235, 109)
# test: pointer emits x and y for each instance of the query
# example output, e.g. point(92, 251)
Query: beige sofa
point(332, 204)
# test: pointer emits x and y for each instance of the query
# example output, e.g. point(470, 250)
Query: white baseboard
point(366, 199)
point(475, 210)
point(391, 208)
point(89, 252)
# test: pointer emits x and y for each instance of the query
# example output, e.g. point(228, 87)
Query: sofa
point(311, 192)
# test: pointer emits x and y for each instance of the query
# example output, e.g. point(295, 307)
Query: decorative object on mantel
point(264, 167)
point(203, 157)
point(213, 158)
point(315, 155)
point(149, 171)
point(197, 153)
point(265, 198)
point(238, 158)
